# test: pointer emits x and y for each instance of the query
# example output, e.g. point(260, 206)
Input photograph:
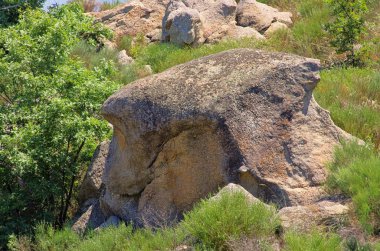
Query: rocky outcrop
point(192, 22)
point(241, 116)
point(134, 17)
point(216, 20)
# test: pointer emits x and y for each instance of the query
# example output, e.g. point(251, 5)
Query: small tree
point(49, 115)
point(10, 9)
point(347, 25)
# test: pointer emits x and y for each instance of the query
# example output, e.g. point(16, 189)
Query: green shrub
point(348, 24)
point(313, 241)
point(355, 171)
point(49, 115)
point(216, 222)
point(49, 239)
point(10, 9)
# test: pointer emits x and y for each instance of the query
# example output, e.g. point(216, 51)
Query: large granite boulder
point(242, 116)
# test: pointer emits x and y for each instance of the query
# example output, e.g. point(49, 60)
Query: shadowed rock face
point(242, 116)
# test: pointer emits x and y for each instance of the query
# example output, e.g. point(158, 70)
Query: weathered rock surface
point(241, 116)
point(134, 17)
point(212, 20)
point(182, 25)
point(259, 15)
point(303, 218)
point(90, 217)
point(191, 22)
point(91, 185)
point(244, 32)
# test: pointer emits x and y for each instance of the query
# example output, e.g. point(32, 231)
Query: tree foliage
point(347, 25)
point(49, 115)
point(10, 9)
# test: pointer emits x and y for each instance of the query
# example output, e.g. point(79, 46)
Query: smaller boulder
point(183, 26)
point(284, 17)
point(305, 217)
point(154, 35)
point(260, 16)
point(276, 26)
point(245, 32)
point(124, 59)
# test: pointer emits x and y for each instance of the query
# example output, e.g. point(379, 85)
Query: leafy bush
point(348, 24)
point(216, 222)
point(354, 168)
point(49, 115)
point(313, 241)
point(10, 9)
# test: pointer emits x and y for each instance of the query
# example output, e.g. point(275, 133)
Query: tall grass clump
point(110, 5)
point(313, 241)
point(48, 239)
point(355, 172)
point(87, 5)
point(352, 96)
point(97, 58)
point(214, 223)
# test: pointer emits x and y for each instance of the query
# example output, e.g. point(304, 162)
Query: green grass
point(216, 223)
point(355, 171)
point(313, 241)
point(212, 224)
point(164, 55)
point(110, 5)
point(352, 96)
